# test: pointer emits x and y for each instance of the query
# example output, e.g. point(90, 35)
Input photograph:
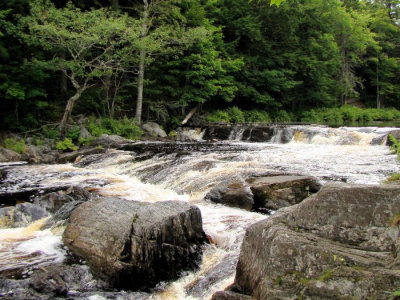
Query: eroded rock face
point(134, 244)
point(340, 243)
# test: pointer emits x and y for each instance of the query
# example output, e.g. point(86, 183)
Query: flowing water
point(153, 172)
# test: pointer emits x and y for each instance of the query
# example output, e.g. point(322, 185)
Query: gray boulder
point(264, 193)
point(275, 192)
point(153, 129)
point(134, 244)
point(341, 243)
point(21, 215)
point(236, 194)
point(7, 155)
point(110, 141)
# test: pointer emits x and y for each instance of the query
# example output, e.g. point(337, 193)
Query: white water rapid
point(187, 173)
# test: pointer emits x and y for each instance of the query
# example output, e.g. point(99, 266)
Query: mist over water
point(154, 174)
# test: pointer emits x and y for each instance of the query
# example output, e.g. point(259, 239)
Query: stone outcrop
point(264, 193)
point(341, 243)
point(7, 155)
point(109, 141)
point(153, 129)
point(58, 205)
point(133, 244)
point(236, 194)
point(275, 192)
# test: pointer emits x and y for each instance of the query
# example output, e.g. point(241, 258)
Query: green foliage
point(257, 116)
point(396, 294)
point(66, 145)
point(235, 115)
point(74, 133)
point(349, 115)
point(50, 132)
point(218, 116)
point(125, 127)
point(14, 144)
point(395, 147)
point(283, 117)
point(85, 141)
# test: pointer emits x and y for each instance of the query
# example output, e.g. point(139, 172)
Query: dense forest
point(159, 59)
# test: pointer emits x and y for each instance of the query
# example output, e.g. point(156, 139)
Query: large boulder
point(134, 244)
point(236, 194)
point(264, 193)
point(153, 129)
point(275, 192)
point(341, 243)
point(7, 155)
point(109, 141)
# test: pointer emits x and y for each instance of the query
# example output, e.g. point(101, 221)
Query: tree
point(85, 44)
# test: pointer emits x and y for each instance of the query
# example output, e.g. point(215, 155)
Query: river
point(186, 171)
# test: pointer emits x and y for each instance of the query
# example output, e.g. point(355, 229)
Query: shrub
point(74, 133)
point(218, 116)
point(282, 117)
point(14, 144)
point(349, 114)
point(50, 132)
point(125, 127)
point(255, 116)
point(235, 114)
point(66, 145)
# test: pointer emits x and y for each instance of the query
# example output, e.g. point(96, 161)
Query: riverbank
point(151, 172)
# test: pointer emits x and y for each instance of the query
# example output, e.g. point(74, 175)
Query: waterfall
point(278, 134)
point(153, 172)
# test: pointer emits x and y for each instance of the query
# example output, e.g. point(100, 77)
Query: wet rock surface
point(264, 193)
point(134, 245)
point(340, 243)
point(275, 192)
point(56, 281)
point(236, 194)
point(58, 205)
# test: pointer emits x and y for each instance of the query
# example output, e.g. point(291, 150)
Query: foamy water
point(188, 177)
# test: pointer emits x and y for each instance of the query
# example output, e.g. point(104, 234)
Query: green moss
point(395, 221)
point(393, 177)
point(279, 280)
point(326, 275)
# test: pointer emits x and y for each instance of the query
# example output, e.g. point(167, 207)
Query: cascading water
point(159, 171)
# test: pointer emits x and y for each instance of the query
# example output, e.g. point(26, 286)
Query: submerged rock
point(134, 244)
point(340, 243)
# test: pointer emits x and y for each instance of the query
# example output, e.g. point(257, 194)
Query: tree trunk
point(378, 100)
point(139, 100)
point(115, 5)
point(142, 57)
point(68, 111)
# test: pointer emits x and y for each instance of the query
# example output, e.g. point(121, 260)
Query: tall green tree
point(85, 45)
